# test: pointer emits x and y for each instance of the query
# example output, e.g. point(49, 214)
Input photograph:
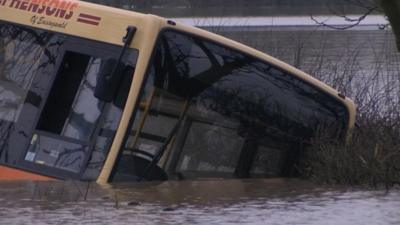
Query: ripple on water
point(197, 202)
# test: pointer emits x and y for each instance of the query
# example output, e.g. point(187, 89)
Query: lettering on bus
point(41, 20)
point(54, 8)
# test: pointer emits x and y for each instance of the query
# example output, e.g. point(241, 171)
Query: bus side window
point(63, 92)
point(243, 116)
point(247, 117)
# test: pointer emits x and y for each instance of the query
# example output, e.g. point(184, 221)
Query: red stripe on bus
point(88, 22)
point(10, 174)
point(87, 16)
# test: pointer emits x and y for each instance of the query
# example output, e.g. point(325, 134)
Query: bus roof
point(78, 18)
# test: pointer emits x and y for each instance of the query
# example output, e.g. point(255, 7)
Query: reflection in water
point(196, 202)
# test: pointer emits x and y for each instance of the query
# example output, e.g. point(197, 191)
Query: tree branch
point(354, 21)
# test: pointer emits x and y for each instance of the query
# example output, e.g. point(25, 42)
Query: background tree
point(391, 8)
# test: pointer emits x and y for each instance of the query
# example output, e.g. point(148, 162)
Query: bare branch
point(354, 21)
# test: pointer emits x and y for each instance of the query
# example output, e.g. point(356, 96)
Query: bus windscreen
point(50, 120)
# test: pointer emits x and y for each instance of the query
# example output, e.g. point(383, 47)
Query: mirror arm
point(127, 40)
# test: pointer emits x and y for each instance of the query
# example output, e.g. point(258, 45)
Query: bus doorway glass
point(51, 123)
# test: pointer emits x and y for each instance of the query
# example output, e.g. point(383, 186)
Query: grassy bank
point(371, 157)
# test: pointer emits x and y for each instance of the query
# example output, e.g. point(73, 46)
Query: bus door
point(151, 138)
point(62, 130)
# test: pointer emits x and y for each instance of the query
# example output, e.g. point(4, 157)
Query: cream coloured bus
point(94, 93)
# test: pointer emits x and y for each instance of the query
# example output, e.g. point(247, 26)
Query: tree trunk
point(391, 9)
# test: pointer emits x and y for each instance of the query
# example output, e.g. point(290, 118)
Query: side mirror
point(108, 80)
point(124, 86)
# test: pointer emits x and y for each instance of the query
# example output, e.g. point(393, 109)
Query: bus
point(95, 93)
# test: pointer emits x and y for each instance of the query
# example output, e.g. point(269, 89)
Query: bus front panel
point(51, 122)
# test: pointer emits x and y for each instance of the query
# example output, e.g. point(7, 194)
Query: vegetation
point(370, 157)
point(390, 8)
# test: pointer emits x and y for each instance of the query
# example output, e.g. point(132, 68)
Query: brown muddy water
point(273, 201)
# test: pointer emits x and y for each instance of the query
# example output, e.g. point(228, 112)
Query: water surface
point(273, 201)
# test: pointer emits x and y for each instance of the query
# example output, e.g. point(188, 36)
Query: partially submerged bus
point(94, 93)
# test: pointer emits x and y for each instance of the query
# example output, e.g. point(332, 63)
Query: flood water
point(273, 201)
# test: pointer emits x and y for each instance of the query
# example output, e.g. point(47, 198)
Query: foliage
point(370, 157)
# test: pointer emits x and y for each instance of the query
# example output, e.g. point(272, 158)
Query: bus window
point(27, 57)
point(71, 111)
point(71, 118)
point(68, 81)
point(210, 111)
point(56, 125)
